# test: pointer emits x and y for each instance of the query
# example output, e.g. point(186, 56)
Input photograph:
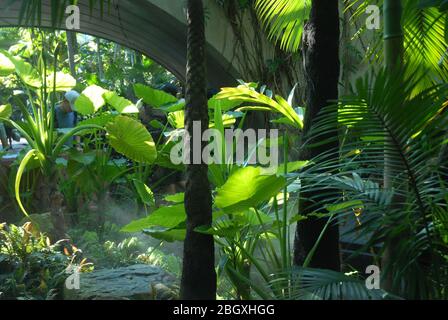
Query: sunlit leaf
point(5, 111)
point(168, 217)
point(64, 82)
point(91, 100)
point(175, 198)
point(120, 104)
point(153, 97)
point(6, 66)
point(130, 138)
point(145, 193)
point(247, 188)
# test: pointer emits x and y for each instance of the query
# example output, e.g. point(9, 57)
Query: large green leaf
point(130, 138)
point(167, 217)
point(5, 111)
point(175, 198)
point(177, 119)
point(83, 158)
point(247, 188)
point(31, 154)
point(223, 104)
point(153, 97)
point(6, 66)
point(247, 94)
point(101, 120)
point(291, 166)
point(30, 76)
point(145, 193)
point(166, 234)
point(91, 100)
point(64, 82)
point(24, 70)
point(120, 104)
point(84, 105)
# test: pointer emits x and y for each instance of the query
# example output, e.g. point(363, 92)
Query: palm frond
point(425, 41)
point(384, 108)
point(320, 284)
point(284, 20)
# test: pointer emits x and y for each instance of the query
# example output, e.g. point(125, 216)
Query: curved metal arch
point(138, 25)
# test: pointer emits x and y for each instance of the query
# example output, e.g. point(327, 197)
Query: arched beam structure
point(146, 26)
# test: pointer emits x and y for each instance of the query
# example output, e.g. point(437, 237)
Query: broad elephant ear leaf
point(6, 66)
point(247, 188)
point(24, 70)
point(145, 193)
point(130, 138)
point(64, 82)
point(91, 100)
point(5, 111)
point(166, 217)
point(122, 105)
point(153, 97)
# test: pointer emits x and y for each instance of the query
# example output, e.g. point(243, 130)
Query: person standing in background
point(65, 112)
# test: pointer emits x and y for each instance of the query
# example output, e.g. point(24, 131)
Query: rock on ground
point(137, 282)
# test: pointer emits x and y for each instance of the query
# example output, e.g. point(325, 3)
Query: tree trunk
point(99, 60)
point(71, 51)
point(3, 136)
point(322, 68)
point(393, 55)
point(51, 201)
point(198, 273)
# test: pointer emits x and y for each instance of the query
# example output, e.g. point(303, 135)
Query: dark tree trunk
point(322, 67)
point(198, 273)
point(393, 56)
point(72, 47)
point(99, 59)
point(51, 201)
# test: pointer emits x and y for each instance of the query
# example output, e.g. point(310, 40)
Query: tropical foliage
point(110, 186)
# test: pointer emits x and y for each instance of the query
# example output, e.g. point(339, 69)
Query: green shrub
point(31, 267)
point(168, 262)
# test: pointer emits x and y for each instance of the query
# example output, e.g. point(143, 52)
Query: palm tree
point(284, 19)
point(423, 41)
point(198, 272)
point(321, 60)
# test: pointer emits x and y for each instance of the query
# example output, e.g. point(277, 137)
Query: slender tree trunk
point(393, 34)
point(198, 273)
point(71, 51)
point(393, 54)
point(99, 59)
point(51, 201)
point(443, 160)
point(3, 136)
point(322, 68)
